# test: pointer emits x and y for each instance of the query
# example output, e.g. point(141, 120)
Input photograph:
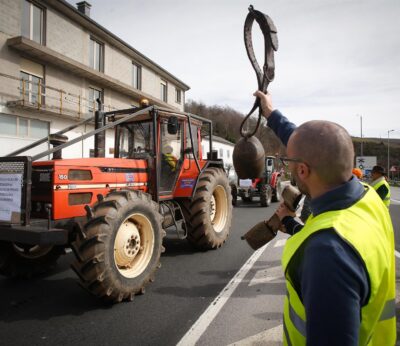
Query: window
point(29, 87)
point(164, 91)
point(33, 22)
point(32, 76)
point(178, 96)
point(228, 153)
point(221, 152)
point(136, 76)
point(94, 94)
point(195, 140)
point(23, 127)
point(136, 139)
point(96, 55)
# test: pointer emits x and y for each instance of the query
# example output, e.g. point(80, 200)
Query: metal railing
point(26, 93)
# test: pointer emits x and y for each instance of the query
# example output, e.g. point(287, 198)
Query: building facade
point(55, 62)
point(224, 149)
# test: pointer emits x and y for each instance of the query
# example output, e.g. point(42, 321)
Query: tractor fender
point(214, 163)
point(274, 179)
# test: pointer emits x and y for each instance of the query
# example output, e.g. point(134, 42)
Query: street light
point(361, 137)
point(388, 161)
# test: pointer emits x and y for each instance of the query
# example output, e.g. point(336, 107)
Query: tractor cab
point(169, 145)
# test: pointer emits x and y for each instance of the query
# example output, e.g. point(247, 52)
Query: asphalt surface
point(55, 310)
point(232, 296)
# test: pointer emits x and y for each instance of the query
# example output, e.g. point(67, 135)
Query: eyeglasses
point(285, 160)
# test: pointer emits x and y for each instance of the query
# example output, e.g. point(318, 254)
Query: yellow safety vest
point(377, 185)
point(171, 160)
point(366, 226)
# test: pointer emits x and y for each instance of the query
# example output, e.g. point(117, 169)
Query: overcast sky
point(337, 59)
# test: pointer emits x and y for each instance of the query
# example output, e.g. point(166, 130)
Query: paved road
point(232, 296)
point(55, 310)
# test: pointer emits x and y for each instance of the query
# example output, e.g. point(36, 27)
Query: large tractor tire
point(26, 261)
point(265, 195)
point(121, 246)
point(234, 193)
point(276, 195)
point(210, 211)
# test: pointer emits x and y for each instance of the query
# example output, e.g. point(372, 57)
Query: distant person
point(380, 184)
point(358, 173)
point(169, 158)
point(340, 267)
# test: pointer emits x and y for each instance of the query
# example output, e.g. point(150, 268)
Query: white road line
point(394, 201)
point(280, 242)
point(271, 337)
point(200, 326)
point(397, 254)
point(264, 276)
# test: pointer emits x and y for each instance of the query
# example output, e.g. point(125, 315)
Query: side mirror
point(173, 125)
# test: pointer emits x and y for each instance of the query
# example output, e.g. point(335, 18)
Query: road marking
point(397, 254)
point(280, 242)
point(270, 337)
point(395, 201)
point(267, 275)
point(200, 326)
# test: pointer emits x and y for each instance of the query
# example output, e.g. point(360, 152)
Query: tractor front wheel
point(121, 246)
point(210, 211)
point(26, 261)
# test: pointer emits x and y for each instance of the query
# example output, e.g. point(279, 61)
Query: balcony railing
point(22, 93)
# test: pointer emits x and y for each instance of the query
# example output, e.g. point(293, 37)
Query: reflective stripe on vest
point(366, 226)
point(377, 185)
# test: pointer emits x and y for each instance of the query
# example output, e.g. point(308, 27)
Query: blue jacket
point(325, 264)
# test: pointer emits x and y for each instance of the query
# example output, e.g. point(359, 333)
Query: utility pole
point(361, 137)
point(388, 159)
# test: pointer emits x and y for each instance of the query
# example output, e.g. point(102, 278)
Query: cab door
point(171, 154)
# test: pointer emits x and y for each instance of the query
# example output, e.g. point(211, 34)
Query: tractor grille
point(20, 165)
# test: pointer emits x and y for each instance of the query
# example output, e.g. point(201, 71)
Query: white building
point(225, 152)
point(55, 61)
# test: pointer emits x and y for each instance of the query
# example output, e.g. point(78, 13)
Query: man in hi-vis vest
point(380, 184)
point(340, 266)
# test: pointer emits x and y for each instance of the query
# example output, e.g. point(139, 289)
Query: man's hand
point(283, 211)
point(266, 103)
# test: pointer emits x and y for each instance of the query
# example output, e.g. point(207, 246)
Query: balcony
point(47, 55)
point(29, 95)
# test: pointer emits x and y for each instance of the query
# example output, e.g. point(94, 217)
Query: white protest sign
point(10, 195)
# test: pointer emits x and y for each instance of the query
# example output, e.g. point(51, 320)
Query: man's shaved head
point(327, 148)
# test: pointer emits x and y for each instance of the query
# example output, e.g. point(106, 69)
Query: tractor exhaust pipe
point(99, 138)
point(56, 140)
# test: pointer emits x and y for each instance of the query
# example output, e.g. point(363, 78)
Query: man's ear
point(303, 170)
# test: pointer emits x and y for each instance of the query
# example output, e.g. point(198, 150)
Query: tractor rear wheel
point(265, 195)
point(234, 194)
point(210, 211)
point(121, 247)
point(276, 195)
point(26, 261)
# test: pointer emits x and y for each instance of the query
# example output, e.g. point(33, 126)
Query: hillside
point(226, 124)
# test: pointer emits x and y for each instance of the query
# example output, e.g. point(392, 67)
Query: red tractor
point(267, 187)
point(114, 212)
